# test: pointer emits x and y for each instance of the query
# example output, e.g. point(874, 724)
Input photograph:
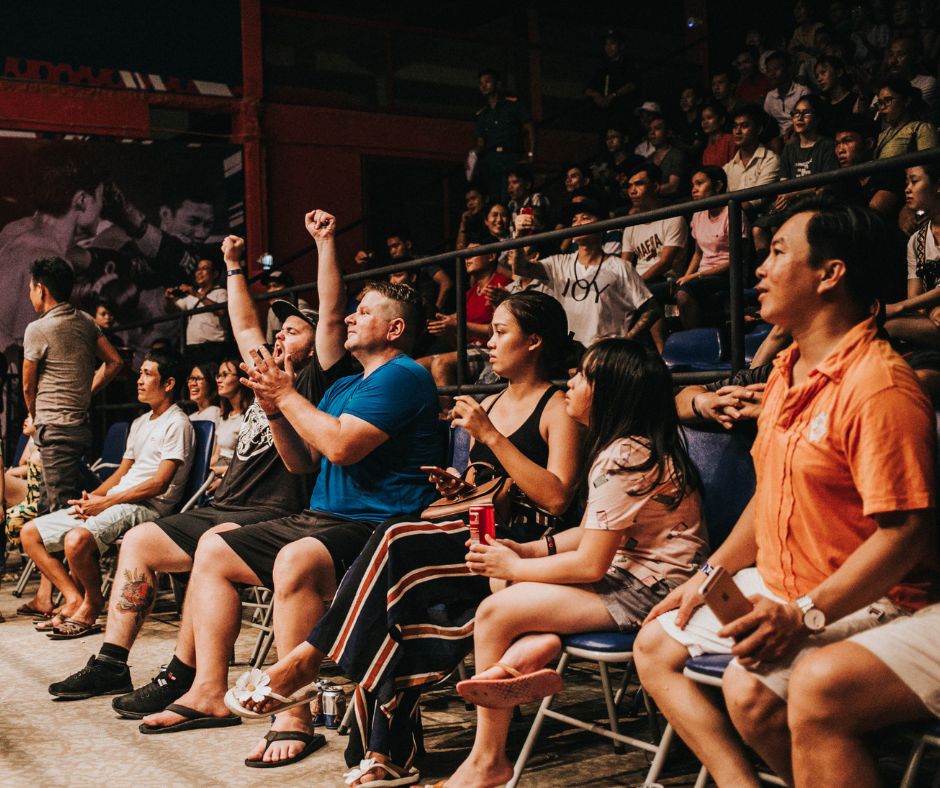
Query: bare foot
point(288, 675)
point(476, 773)
point(202, 700)
point(296, 719)
point(527, 655)
point(87, 613)
point(377, 773)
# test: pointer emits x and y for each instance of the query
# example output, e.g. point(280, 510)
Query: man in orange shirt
point(842, 514)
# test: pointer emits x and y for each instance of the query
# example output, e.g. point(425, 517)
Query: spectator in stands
point(752, 164)
point(601, 296)
point(688, 129)
point(205, 332)
point(646, 112)
point(234, 401)
point(274, 282)
point(752, 84)
point(370, 437)
point(669, 158)
point(860, 512)
point(855, 143)
point(781, 99)
point(472, 220)
point(903, 132)
point(802, 41)
point(720, 147)
point(59, 379)
point(497, 228)
point(656, 250)
point(902, 62)
point(834, 707)
point(642, 535)
point(434, 282)
point(481, 270)
point(707, 274)
point(149, 482)
point(104, 319)
point(257, 486)
point(613, 86)
point(836, 88)
point(542, 456)
point(605, 168)
point(203, 393)
point(519, 185)
point(915, 318)
point(505, 134)
point(723, 90)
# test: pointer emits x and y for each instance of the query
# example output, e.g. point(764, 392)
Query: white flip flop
point(254, 685)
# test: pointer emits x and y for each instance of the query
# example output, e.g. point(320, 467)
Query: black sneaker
point(151, 698)
point(98, 677)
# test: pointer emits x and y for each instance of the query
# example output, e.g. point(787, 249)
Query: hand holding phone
point(447, 482)
point(723, 597)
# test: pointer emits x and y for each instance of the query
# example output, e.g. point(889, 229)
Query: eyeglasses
point(885, 102)
point(802, 113)
point(194, 379)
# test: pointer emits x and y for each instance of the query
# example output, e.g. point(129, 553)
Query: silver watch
point(813, 618)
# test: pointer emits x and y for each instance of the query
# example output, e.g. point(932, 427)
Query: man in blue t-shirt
point(368, 437)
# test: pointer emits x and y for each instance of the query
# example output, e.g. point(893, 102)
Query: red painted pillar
point(247, 132)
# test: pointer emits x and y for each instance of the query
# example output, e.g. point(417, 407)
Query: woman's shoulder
point(624, 453)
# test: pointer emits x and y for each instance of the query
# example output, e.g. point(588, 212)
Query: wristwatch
point(813, 618)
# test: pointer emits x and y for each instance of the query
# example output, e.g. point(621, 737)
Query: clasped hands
point(269, 382)
point(88, 505)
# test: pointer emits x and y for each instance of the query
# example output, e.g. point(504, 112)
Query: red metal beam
point(248, 132)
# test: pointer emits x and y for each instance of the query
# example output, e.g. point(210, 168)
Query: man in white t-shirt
point(656, 249)
point(148, 483)
point(205, 332)
point(601, 296)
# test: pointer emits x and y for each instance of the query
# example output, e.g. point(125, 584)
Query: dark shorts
point(706, 288)
point(186, 529)
point(259, 543)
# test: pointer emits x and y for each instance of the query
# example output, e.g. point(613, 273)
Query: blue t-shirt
point(399, 398)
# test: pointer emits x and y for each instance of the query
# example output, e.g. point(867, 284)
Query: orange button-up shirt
point(856, 438)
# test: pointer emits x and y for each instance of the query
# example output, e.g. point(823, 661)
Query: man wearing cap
point(647, 111)
point(602, 296)
point(505, 134)
point(274, 282)
point(256, 487)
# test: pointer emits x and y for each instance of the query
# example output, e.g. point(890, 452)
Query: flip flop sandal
point(50, 624)
point(70, 629)
point(31, 612)
point(193, 720)
point(312, 743)
point(394, 775)
point(515, 691)
point(254, 684)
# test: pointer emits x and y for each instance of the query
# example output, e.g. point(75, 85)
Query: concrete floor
point(53, 743)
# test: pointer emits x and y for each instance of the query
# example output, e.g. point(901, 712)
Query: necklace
point(581, 287)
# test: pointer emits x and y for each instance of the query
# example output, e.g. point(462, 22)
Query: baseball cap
point(279, 277)
point(285, 309)
point(649, 106)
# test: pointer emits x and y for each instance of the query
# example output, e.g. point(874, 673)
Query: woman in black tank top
point(523, 431)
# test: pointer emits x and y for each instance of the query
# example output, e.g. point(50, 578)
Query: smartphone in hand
point(436, 470)
point(723, 597)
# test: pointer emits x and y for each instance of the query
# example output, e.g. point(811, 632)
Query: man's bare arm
point(105, 352)
point(668, 257)
point(648, 314)
point(525, 268)
point(331, 327)
point(30, 385)
point(246, 328)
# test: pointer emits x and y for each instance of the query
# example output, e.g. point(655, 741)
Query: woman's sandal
point(515, 691)
point(393, 775)
point(254, 685)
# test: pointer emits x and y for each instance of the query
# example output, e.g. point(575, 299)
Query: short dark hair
point(409, 304)
point(716, 175)
point(55, 275)
point(753, 113)
point(851, 233)
point(716, 107)
point(653, 172)
point(726, 71)
point(779, 54)
point(169, 365)
point(193, 188)
point(490, 72)
point(522, 172)
point(401, 233)
point(61, 172)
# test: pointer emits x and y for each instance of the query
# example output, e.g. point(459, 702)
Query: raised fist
point(320, 224)
point(232, 249)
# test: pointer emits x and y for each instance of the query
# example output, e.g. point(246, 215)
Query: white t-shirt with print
point(599, 300)
point(646, 241)
point(150, 441)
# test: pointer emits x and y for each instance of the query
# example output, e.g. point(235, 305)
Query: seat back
point(202, 454)
point(723, 461)
point(458, 450)
point(754, 339)
point(20, 448)
point(695, 348)
point(112, 450)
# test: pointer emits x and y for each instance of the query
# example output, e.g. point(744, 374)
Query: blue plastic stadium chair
point(753, 340)
point(695, 349)
point(20, 448)
point(112, 451)
point(200, 475)
point(929, 736)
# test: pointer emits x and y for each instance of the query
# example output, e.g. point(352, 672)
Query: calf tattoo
point(136, 594)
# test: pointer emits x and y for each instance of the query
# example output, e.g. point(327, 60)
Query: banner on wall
point(132, 218)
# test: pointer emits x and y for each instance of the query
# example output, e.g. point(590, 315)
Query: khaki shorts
point(106, 527)
point(700, 635)
point(910, 647)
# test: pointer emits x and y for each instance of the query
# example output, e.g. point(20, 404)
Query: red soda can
point(482, 522)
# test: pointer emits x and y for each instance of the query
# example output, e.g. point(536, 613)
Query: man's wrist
point(695, 409)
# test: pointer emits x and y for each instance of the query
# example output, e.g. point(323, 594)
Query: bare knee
point(29, 533)
point(753, 708)
point(817, 693)
point(211, 553)
point(79, 541)
point(301, 566)
point(655, 652)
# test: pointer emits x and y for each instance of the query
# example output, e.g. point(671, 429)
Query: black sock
point(181, 672)
point(113, 653)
